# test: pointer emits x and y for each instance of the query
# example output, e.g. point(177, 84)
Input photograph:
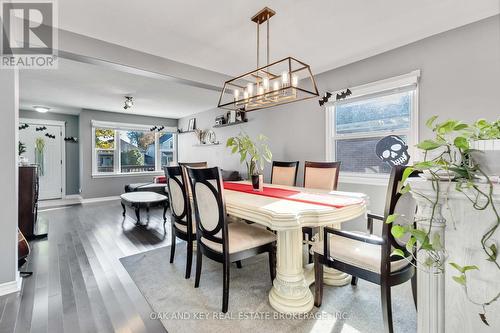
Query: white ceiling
point(219, 36)
point(76, 85)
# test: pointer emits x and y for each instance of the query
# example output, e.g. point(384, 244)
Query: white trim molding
point(125, 126)
point(99, 199)
point(11, 286)
point(116, 127)
point(62, 125)
point(405, 82)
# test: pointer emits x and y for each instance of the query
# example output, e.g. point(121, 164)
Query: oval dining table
point(290, 292)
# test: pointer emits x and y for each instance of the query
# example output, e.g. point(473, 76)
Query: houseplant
point(253, 153)
point(450, 156)
point(21, 150)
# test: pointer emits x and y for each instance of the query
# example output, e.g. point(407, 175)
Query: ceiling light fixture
point(129, 102)
point(41, 109)
point(284, 81)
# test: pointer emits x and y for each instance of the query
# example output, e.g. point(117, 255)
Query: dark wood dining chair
point(284, 173)
point(319, 175)
point(367, 256)
point(183, 225)
point(194, 164)
point(221, 241)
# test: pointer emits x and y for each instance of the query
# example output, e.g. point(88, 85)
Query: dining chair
point(367, 256)
point(319, 175)
point(193, 164)
point(183, 225)
point(183, 165)
point(221, 241)
point(284, 173)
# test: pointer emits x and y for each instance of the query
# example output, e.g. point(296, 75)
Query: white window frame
point(117, 161)
point(386, 86)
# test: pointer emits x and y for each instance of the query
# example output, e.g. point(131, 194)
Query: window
point(356, 124)
point(131, 149)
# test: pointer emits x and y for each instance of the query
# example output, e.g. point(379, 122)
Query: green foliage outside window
point(104, 138)
point(132, 157)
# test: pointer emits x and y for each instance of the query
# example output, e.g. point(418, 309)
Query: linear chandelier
point(285, 81)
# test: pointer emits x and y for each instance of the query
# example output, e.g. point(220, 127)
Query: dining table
point(285, 210)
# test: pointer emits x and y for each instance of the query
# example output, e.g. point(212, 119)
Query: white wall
point(9, 136)
point(460, 78)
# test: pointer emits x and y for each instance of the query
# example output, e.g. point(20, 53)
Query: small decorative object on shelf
point(200, 135)
point(220, 120)
point(210, 137)
point(231, 117)
point(231, 124)
point(192, 124)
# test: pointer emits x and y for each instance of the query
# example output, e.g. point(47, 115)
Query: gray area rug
point(182, 308)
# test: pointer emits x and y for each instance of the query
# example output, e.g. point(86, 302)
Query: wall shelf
point(182, 132)
point(231, 124)
point(206, 144)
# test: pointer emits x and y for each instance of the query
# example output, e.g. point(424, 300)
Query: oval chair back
point(284, 173)
point(404, 206)
point(179, 201)
point(321, 175)
point(209, 207)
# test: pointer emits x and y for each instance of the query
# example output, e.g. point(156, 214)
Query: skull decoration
point(392, 150)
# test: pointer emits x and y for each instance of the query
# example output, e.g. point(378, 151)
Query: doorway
point(44, 141)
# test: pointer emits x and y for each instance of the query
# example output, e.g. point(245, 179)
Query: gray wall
point(72, 149)
point(460, 78)
point(109, 186)
point(9, 136)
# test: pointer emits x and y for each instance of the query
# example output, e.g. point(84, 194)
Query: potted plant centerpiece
point(254, 154)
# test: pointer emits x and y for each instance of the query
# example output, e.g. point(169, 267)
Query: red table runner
point(330, 200)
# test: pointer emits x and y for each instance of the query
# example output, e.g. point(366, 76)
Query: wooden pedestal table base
point(290, 292)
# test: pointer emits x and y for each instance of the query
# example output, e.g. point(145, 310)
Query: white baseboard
point(11, 287)
point(73, 197)
point(68, 200)
point(101, 199)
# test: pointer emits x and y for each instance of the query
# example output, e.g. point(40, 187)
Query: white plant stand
point(442, 303)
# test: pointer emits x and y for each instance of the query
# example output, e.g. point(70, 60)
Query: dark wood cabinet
point(28, 200)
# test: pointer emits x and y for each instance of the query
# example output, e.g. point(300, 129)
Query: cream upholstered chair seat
point(357, 253)
point(242, 236)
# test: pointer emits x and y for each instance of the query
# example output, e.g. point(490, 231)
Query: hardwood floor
point(78, 282)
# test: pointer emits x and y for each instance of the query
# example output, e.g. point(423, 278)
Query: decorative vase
point(258, 183)
point(23, 160)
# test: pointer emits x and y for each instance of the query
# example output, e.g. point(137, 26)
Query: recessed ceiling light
point(41, 109)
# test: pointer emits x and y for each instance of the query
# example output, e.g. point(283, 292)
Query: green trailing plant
point(253, 153)
point(21, 148)
point(39, 155)
point(449, 152)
